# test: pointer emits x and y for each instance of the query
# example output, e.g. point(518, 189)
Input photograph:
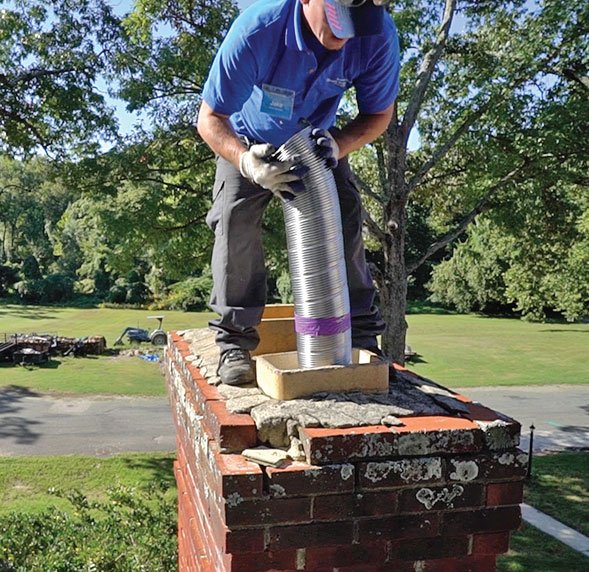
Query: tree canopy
point(500, 107)
point(51, 54)
point(489, 211)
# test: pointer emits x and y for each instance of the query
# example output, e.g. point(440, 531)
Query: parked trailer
point(7, 350)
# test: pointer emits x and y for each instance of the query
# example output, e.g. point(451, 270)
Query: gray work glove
point(326, 147)
point(283, 178)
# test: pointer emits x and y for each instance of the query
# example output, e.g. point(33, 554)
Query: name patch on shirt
point(277, 101)
point(339, 81)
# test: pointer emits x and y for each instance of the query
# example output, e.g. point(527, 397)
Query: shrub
point(284, 287)
point(8, 277)
point(189, 295)
point(52, 288)
point(117, 294)
point(57, 288)
point(137, 293)
point(131, 531)
point(125, 292)
point(30, 268)
point(29, 290)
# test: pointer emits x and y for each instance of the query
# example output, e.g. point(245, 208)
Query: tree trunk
point(393, 275)
point(393, 289)
point(3, 257)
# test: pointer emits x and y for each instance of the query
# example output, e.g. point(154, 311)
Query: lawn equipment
point(157, 337)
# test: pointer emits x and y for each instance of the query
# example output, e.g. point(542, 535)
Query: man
point(283, 65)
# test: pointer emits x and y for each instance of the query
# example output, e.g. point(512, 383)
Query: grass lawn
point(25, 481)
point(78, 322)
point(93, 374)
point(560, 487)
point(455, 350)
point(115, 514)
point(469, 350)
point(534, 551)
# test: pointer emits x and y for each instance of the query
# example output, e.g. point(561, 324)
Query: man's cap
point(349, 18)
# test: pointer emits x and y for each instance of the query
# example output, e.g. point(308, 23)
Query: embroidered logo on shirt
point(339, 81)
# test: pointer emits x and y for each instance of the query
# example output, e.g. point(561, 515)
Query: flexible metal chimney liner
point(316, 261)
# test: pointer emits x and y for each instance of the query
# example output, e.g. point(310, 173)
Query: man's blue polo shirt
point(264, 58)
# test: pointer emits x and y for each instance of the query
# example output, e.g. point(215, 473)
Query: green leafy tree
point(498, 102)
point(51, 54)
point(32, 200)
point(151, 192)
point(533, 257)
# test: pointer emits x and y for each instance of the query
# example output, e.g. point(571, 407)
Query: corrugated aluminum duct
point(316, 261)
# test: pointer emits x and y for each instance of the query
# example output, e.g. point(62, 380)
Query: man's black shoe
point(236, 367)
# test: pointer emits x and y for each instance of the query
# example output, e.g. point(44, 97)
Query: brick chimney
point(436, 493)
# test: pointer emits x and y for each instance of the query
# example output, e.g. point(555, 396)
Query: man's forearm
point(363, 129)
point(218, 134)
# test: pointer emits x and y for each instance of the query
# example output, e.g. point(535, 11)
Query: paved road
point(32, 424)
point(560, 413)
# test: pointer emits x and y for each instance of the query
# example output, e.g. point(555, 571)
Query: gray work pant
point(239, 271)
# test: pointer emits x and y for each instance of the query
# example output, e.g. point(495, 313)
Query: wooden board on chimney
point(280, 377)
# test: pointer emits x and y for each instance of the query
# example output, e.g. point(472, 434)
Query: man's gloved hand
point(327, 147)
point(283, 178)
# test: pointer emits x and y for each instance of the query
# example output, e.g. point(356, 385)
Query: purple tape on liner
point(322, 326)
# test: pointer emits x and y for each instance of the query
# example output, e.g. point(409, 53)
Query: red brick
point(438, 434)
point(200, 509)
point(328, 446)
point(505, 493)
point(239, 476)
point(245, 540)
point(198, 536)
point(201, 392)
point(493, 466)
point(485, 520)
point(388, 567)
point(430, 548)
point(322, 557)
point(344, 507)
point(199, 476)
point(314, 534)
point(452, 496)
point(499, 431)
point(333, 507)
point(478, 412)
point(401, 472)
point(195, 546)
point(182, 417)
point(333, 524)
point(496, 543)
point(264, 561)
point(237, 540)
point(434, 424)
point(201, 385)
point(234, 431)
point(302, 479)
point(181, 345)
point(396, 527)
point(257, 512)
